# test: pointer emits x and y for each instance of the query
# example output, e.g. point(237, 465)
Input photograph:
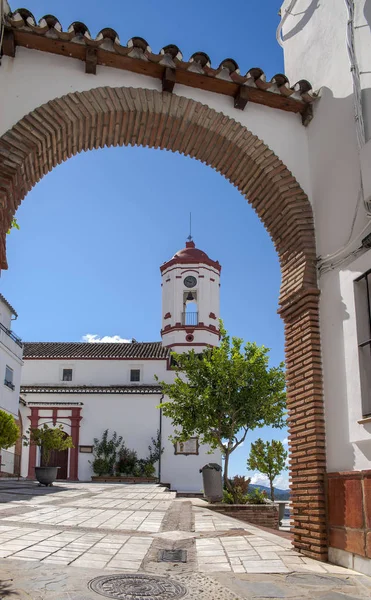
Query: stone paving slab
point(46, 581)
point(148, 521)
point(73, 548)
point(110, 528)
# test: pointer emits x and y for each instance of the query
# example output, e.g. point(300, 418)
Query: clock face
point(190, 281)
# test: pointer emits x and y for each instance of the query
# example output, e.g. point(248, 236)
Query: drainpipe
point(159, 460)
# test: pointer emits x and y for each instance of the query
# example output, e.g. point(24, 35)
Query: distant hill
point(278, 494)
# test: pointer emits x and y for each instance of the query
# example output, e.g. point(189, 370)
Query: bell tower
point(190, 300)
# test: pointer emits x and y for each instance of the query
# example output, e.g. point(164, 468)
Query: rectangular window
point(8, 381)
point(67, 375)
point(363, 305)
point(135, 375)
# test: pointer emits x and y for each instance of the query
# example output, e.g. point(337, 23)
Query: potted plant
point(105, 453)
point(48, 439)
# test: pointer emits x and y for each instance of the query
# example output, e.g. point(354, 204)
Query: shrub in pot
point(49, 439)
point(127, 461)
point(100, 466)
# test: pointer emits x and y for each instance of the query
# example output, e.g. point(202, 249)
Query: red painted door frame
point(75, 418)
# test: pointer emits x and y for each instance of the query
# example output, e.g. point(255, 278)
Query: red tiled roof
point(191, 255)
point(8, 305)
point(106, 48)
point(80, 350)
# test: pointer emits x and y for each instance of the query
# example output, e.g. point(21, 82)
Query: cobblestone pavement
point(71, 533)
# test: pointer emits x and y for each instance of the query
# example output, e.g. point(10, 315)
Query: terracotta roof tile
point(81, 350)
point(8, 305)
point(91, 389)
point(137, 48)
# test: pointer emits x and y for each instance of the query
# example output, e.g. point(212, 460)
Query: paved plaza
point(64, 536)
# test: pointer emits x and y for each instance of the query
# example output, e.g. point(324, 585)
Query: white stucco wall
point(30, 79)
point(134, 416)
point(315, 49)
point(91, 372)
point(11, 356)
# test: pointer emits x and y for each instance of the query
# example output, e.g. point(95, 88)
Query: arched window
point(190, 314)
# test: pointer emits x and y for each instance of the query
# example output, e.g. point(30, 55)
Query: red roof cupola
point(191, 255)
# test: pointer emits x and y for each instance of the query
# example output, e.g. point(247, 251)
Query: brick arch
point(125, 116)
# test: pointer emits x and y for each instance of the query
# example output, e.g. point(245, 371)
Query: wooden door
point(58, 459)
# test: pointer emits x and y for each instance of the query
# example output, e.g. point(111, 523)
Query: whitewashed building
point(298, 147)
point(90, 387)
point(11, 361)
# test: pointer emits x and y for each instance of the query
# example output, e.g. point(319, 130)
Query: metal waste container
point(212, 480)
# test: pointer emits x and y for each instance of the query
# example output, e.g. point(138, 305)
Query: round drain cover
point(137, 587)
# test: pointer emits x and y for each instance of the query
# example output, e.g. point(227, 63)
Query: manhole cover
point(177, 555)
point(137, 587)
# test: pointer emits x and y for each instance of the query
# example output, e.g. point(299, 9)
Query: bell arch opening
point(107, 116)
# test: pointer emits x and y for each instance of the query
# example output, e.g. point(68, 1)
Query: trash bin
point(212, 480)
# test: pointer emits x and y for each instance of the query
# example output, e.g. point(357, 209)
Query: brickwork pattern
point(349, 511)
point(124, 116)
point(265, 515)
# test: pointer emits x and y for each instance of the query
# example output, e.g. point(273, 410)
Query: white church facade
point(90, 387)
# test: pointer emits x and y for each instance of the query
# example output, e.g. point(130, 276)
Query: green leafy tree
point(222, 393)
point(49, 439)
point(268, 458)
point(9, 431)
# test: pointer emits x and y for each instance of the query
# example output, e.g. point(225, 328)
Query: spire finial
point(190, 238)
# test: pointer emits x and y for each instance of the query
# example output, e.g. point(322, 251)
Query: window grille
point(67, 375)
point(135, 375)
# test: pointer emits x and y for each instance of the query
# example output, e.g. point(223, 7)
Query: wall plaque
point(86, 449)
point(188, 447)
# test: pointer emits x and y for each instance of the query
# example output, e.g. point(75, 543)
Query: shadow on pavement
point(11, 490)
point(6, 589)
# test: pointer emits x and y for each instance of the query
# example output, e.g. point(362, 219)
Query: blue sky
point(95, 230)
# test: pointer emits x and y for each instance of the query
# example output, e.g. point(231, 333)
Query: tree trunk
point(272, 489)
point(227, 485)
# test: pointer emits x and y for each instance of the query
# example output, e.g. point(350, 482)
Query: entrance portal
point(123, 116)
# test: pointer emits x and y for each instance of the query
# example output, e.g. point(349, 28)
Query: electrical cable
point(361, 140)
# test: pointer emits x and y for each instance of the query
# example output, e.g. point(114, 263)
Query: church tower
point(190, 300)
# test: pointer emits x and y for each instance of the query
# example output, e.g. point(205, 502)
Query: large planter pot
point(46, 475)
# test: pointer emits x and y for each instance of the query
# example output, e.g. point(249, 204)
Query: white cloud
point(259, 479)
point(93, 338)
point(285, 441)
point(281, 482)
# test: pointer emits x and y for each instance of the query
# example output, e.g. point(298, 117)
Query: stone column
point(74, 452)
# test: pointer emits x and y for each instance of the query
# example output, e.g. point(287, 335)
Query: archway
point(131, 116)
